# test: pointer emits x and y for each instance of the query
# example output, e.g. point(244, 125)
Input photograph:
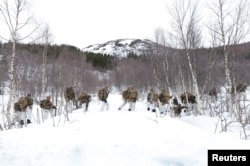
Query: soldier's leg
point(22, 117)
point(18, 113)
point(75, 103)
point(148, 105)
point(102, 105)
point(87, 106)
point(133, 106)
point(167, 109)
point(154, 107)
point(161, 108)
point(29, 115)
point(129, 106)
point(84, 107)
point(52, 113)
point(123, 104)
point(107, 105)
point(45, 114)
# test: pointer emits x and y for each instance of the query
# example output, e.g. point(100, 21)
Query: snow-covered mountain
point(122, 47)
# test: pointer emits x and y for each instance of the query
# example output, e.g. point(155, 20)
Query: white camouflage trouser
point(104, 106)
point(45, 113)
point(164, 108)
point(131, 106)
point(21, 116)
point(29, 113)
point(123, 104)
point(152, 105)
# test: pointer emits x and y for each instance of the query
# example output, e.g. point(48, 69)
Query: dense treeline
point(99, 61)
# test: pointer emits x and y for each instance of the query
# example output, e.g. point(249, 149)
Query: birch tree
point(230, 25)
point(46, 40)
point(187, 34)
point(15, 15)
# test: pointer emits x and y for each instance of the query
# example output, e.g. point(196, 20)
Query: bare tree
point(15, 15)
point(46, 40)
point(186, 33)
point(230, 26)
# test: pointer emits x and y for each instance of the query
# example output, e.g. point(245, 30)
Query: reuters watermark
point(228, 157)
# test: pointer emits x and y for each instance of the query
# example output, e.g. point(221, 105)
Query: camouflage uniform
point(84, 98)
point(131, 98)
point(23, 109)
point(164, 98)
point(47, 107)
point(152, 100)
point(124, 98)
point(70, 95)
point(103, 95)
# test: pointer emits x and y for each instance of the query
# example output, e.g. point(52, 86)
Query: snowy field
point(115, 138)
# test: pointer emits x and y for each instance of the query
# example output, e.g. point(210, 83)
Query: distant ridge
point(122, 47)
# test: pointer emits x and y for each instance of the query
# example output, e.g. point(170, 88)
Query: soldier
point(23, 109)
point(124, 98)
point(164, 98)
point(152, 100)
point(70, 95)
point(132, 97)
point(103, 95)
point(47, 107)
point(84, 98)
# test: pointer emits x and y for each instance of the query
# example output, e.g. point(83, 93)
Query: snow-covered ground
point(115, 138)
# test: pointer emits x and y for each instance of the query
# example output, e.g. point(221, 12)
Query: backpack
point(101, 94)
point(150, 97)
point(43, 104)
point(70, 94)
point(132, 94)
point(155, 97)
point(23, 102)
point(17, 107)
point(125, 94)
point(29, 101)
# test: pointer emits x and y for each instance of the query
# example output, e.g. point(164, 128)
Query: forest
point(167, 68)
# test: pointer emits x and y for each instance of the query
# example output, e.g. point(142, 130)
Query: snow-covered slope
point(115, 138)
point(122, 47)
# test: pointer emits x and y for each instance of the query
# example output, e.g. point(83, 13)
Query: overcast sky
point(85, 22)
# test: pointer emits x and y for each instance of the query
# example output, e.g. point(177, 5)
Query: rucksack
point(132, 94)
point(23, 102)
point(17, 107)
point(155, 97)
point(125, 94)
point(43, 104)
point(101, 94)
point(70, 94)
point(29, 101)
point(150, 97)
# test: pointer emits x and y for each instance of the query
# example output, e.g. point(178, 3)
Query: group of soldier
point(23, 107)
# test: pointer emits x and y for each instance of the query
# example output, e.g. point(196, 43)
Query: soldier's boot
point(129, 109)
point(21, 122)
point(153, 110)
point(148, 108)
point(28, 121)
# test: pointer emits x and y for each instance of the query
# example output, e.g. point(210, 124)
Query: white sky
point(85, 22)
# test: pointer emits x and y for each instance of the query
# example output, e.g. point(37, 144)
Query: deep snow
point(115, 138)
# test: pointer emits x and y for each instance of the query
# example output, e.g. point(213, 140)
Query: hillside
point(122, 47)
